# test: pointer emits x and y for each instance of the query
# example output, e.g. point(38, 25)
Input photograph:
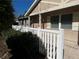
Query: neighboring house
point(58, 14)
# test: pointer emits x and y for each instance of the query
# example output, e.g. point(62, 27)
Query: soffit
point(58, 1)
point(49, 5)
point(44, 5)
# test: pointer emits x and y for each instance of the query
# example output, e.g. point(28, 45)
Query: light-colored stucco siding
point(75, 24)
point(71, 39)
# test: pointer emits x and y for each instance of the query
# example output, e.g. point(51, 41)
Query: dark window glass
point(66, 21)
point(54, 21)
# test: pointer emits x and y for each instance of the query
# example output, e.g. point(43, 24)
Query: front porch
point(59, 19)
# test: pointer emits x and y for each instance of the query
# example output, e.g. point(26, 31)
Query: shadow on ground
point(25, 46)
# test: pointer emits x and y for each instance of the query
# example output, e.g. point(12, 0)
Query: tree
point(6, 15)
point(6, 20)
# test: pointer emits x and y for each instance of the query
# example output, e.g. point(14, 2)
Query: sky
point(21, 6)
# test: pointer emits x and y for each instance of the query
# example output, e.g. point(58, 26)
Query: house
point(57, 14)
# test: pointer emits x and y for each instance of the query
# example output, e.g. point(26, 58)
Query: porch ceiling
point(49, 2)
point(62, 11)
point(52, 5)
point(57, 1)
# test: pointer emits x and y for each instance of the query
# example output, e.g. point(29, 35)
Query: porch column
point(59, 22)
point(24, 22)
point(28, 21)
point(39, 20)
point(21, 22)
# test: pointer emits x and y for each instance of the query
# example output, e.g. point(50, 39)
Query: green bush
point(10, 33)
point(25, 46)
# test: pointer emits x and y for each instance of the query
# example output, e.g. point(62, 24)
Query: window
point(66, 21)
point(54, 21)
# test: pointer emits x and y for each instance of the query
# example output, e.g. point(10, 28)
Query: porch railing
point(53, 40)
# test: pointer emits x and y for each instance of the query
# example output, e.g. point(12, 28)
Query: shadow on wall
point(25, 46)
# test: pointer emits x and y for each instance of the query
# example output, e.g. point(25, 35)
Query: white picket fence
point(53, 40)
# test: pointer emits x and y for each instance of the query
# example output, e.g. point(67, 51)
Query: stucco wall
point(75, 24)
point(71, 48)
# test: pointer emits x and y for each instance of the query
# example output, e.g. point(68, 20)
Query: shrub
point(25, 46)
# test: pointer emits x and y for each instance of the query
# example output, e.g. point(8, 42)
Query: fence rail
point(53, 40)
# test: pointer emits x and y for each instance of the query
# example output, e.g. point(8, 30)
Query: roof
point(43, 6)
point(31, 7)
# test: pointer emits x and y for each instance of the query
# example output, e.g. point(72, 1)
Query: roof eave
point(31, 7)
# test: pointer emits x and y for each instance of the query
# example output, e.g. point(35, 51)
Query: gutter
point(31, 7)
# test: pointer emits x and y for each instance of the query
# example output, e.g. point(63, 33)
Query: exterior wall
point(71, 53)
point(75, 24)
point(48, 23)
point(44, 22)
point(71, 37)
point(71, 49)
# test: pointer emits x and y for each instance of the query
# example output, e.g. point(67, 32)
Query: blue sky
point(21, 6)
